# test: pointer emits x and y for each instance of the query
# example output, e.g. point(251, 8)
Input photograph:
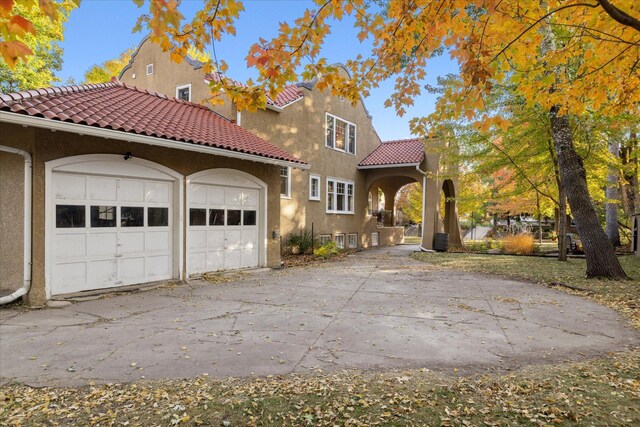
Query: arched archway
point(449, 214)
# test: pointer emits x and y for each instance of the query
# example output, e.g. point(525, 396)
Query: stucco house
point(349, 164)
point(106, 186)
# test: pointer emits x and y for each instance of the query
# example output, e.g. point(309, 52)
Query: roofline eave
point(39, 122)
point(388, 166)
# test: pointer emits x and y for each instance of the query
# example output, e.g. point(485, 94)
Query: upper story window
point(149, 69)
point(184, 92)
point(339, 196)
point(314, 187)
point(340, 134)
point(285, 182)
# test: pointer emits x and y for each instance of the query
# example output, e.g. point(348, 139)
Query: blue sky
point(101, 30)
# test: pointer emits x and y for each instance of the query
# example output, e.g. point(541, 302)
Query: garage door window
point(249, 218)
point(131, 216)
point(70, 216)
point(197, 216)
point(103, 216)
point(157, 217)
point(216, 216)
point(233, 217)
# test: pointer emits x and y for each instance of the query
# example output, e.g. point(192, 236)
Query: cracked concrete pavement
point(377, 309)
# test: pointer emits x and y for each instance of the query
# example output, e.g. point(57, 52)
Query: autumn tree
point(41, 36)
point(101, 73)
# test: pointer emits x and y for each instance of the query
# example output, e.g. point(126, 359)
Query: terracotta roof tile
point(288, 95)
point(400, 152)
point(123, 108)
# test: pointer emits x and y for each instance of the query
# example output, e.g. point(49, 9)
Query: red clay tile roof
point(284, 98)
point(400, 152)
point(123, 108)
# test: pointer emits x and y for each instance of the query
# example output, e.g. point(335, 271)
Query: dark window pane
point(233, 217)
point(216, 216)
point(131, 216)
point(249, 218)
point(103, 216)
point(70, 216)
point(197, 216)
point(157, 217)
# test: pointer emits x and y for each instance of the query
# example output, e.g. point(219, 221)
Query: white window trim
point(149, 73)
point(311, 178)
point(324, 238)
point(187, 86)
point(355, 142)
point(335, 188)
point(337, 236)
point(377, 234)
point(349, 241)
point(288, 195)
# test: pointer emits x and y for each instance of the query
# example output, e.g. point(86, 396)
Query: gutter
point(40, 122)
point(396, 165)
point(26, 285)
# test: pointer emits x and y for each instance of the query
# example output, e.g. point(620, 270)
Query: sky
point(101, 29)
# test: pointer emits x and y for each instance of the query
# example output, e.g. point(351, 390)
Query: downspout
point(27, 225)
point(424, 190)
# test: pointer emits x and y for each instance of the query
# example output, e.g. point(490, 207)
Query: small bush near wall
point(522, 244)
point(301, 242)
point(327, 250)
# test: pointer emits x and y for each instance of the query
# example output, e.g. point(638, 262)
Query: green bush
point(327, 250)
point(303, 239)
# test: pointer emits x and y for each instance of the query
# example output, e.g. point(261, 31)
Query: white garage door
point(223, 228)
point(110, 231)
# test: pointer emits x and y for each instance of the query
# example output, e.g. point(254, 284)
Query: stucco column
point(430, 198)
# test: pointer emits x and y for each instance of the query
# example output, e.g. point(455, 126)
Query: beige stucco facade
point(298, 128)
point(45, 145)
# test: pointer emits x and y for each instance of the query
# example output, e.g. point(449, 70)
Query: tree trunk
point(562, 225)
point(600, 255)
point(611, 193)
point(539, 218)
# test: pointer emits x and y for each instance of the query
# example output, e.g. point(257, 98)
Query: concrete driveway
point(378, 309)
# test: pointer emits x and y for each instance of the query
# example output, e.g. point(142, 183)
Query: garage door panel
point(197, 239)
point(131, 191)
point(70, 277)
point(70, 187)
point(157, 192)
point(102, 274)
point(215, 195)
point(233, 197)
point(157, 241)
point(70, 246)
point(102, 244)
point(104, 189)
point(251, 198)
point(198, 194)
point(131, 242)
point(198, 262)
point(233, 239)
point(158, 266)
point(215, 261)
point(215, 239)
point(132, 270)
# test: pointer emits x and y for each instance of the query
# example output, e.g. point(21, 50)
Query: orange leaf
point(20, 26)
point(11, 51)
point(5, 7)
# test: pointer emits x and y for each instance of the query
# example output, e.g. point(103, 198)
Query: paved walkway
point(377, 309)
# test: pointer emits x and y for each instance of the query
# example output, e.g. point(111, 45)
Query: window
point(340, 134)
point(216, 216)
point(353, 240)
point(131, 216)
point(198, 217)
point(248, 217)
point(103, 216)
point(375, 238)
point(314, 187)
point(340, 240)
point(285, 182)
point(184, 92)
point(339, 196)
point(324, 238)
point(234, 217)
point(70, 216)
point(149, 69)
point(157, 217)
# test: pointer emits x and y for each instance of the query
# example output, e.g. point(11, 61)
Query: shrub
point(327, 250)
point(518, 244)
point(303, 240)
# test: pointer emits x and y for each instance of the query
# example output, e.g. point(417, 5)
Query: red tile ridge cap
point(402, 141)
point(10, 98)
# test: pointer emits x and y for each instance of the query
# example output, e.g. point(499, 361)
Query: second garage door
point(223, 228)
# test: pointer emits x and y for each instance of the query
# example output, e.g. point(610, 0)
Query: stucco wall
point(45, 145)
point(11, 222)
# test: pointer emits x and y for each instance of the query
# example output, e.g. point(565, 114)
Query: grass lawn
point(603, 391)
